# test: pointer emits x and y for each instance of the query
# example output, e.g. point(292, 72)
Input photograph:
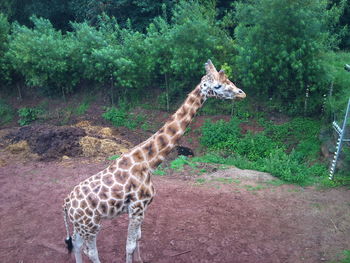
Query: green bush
point(289, 151)
point(280, 45)
point(28, 115)
point(4, 35)
point(42, 56)
point(121, 117)
point(221, 134)
point(6, 113)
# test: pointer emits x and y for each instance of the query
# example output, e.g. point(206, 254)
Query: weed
point(121, 117)
point(253, 188)
point(113, 157)
point(159, 171)
point(200, 180)
point(346, 256)
point(275, 182)
point(82, 108)
point(179, 163)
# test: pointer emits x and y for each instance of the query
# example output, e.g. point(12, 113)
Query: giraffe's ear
point(209, 67)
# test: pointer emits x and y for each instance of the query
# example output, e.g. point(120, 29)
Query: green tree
point(4, 34)
point(42, 56)
point(280, 45)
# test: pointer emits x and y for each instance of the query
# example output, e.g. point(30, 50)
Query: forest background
point(288, 56)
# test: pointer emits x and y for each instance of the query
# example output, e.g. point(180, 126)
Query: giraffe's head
point(216, 84)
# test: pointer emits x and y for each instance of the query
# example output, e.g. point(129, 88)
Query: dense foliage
point(289, 151)
point(278, 51)
point(280, 45)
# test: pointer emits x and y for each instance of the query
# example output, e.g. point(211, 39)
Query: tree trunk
point(166, 92)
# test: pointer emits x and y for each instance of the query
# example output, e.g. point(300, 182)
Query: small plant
point(82, 108)
point(159, 171)
point(6, 113)
point(121, 117)
point(179, 163)
point(28, 115)
point(200, 181)
point(113, 157)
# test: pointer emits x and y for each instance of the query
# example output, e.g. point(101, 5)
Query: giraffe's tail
point(68, 239)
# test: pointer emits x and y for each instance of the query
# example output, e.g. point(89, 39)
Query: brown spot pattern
point(137, 156)
point(124, 162)
point(83, 204)
point(117, 192)
point(162, 141)
point(149, 149)
point(92, 200)
point(132, 185)
point(144, 192)
point(120, 176)
point(102, 208)
point(107, 179)
point(139, 171)
point(103, 193)
point(171, 129)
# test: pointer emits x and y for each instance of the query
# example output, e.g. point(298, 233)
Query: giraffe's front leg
point(134, 234)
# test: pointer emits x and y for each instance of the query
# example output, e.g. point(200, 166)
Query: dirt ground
point(206, 219)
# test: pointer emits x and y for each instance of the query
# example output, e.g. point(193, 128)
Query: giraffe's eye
point(217, 87)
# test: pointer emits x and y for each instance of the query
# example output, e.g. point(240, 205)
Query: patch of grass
point(275, 182)
point(254, 188)
point(225, 180)
point(159, 171)
point(346, 257)
point(113, 157)
point(200, 181)
point(289, 151)
point(122, 117)
point(179, 163)
point(82, 108)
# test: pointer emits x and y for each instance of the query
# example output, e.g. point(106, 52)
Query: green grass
point(113, 157)
point(178, 163)
point(82, 108)
point(289, 151)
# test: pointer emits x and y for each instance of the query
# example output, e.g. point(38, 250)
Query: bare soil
point(241, 218)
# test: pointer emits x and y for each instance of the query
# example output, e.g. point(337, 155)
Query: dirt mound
point(92, 147)
point(236, 173)
point(49, 142)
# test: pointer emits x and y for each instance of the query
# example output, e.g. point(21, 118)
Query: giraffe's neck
point(167, 137)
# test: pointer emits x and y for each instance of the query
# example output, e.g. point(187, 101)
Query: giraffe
point(126, 186)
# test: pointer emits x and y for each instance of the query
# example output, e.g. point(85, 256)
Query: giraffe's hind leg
point(134, 234)
point(77, 245)
point(91, 247)
point(86, 235)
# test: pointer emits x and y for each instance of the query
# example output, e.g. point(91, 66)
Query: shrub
point(280, 45)
point(121, 117)
point(42, 55)
point(220, 135)
point(28, 115)
point(4, 35)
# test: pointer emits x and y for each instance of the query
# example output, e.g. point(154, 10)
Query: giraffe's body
point(126, 186)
